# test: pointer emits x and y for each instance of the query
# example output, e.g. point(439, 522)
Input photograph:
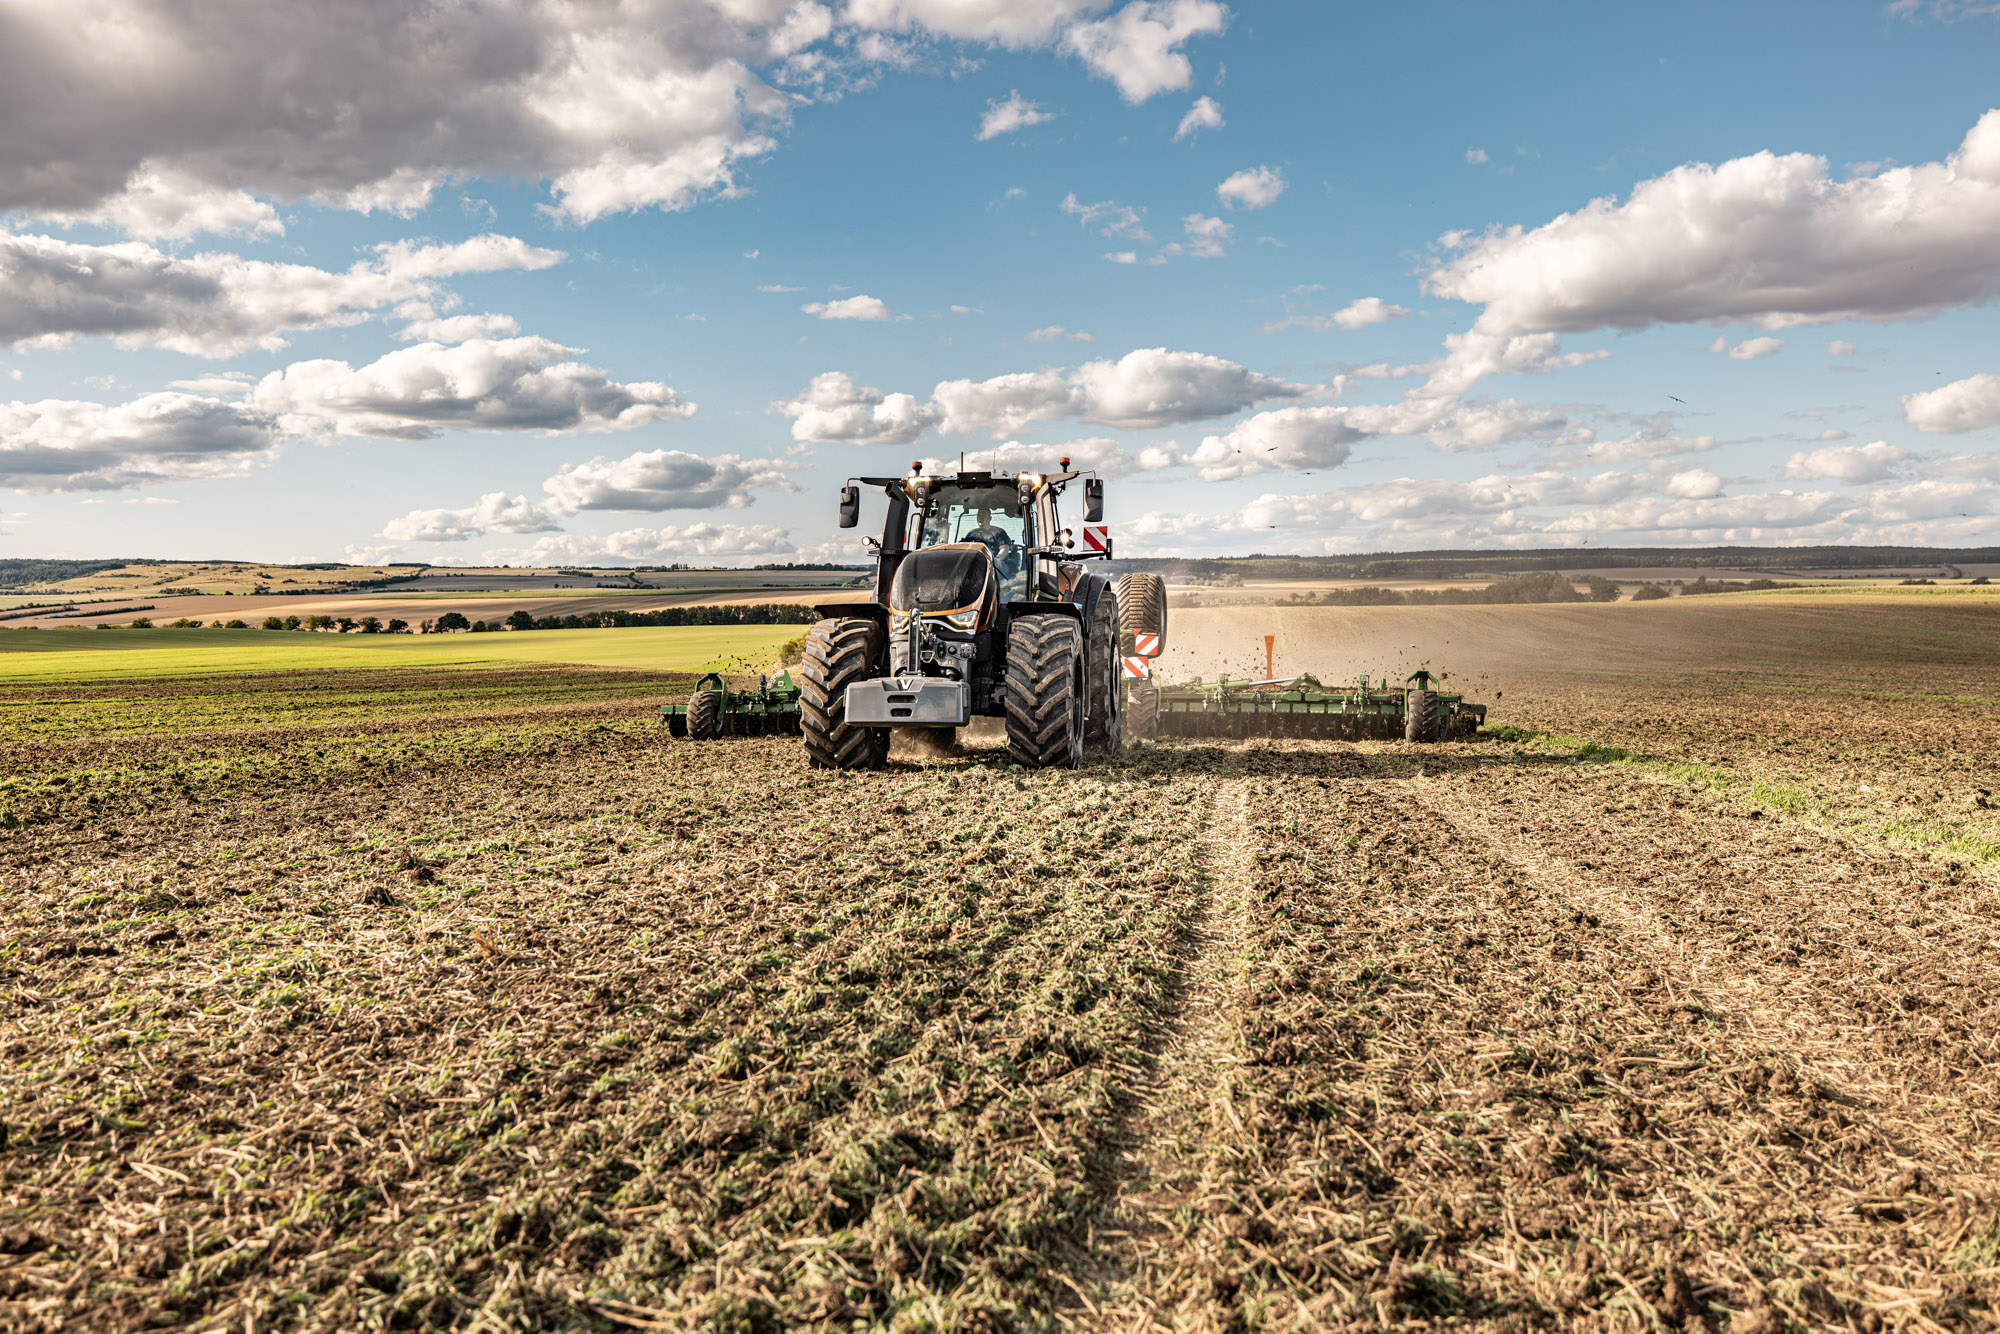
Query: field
point(62, 655)
point(425, 995)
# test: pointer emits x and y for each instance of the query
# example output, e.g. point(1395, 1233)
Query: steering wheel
point(1007, 561)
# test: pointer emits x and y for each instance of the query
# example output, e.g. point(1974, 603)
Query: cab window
point(991, 516)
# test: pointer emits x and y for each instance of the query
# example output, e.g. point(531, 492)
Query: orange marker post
point(1270, 643)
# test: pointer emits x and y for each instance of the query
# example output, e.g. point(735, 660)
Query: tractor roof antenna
point(961, 462)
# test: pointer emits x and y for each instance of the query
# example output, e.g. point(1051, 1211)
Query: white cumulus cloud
point(1146, 388)
point(1769, 240)
point(1110, 219)
point(458, 328)
point(494, 512)
point(705, 542)
point(666, 479)
point(217, 305)
point(1055, 333)
point(1750, 349)
point(173, 119)
point(852, 308)
point(1971, 404)
point(1138, 47)
point(1852, 464)
point(1253, 187)
point(484, 384)
point(1207, 238)
point(61, 445)
point(834, 409)
point(1205, 114)
point(1357, 314)
point(1015, 113)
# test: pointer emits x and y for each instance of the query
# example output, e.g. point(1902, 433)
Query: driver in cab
point(995, 539)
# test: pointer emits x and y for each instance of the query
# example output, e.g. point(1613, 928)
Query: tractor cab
point(987, 514)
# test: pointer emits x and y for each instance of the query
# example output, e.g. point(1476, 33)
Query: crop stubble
point(524, 1018)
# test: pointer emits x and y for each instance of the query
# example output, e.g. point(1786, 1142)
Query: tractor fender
point(1016, 610)
point(1092, 588)
point(836, 611)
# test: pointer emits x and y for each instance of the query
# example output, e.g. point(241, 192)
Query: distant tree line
point(740, 613)
point(760, 613)
point(1545, 587)
point(1490, 564)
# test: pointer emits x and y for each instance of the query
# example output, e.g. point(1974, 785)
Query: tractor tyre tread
point(839, 652)
point(1142, 603)
point(704, 715)
point(1424, 718)
point(1142, 714)
point(1044, 724)
point(1104, 724)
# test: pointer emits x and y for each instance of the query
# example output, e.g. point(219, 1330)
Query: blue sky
point(1300, 277)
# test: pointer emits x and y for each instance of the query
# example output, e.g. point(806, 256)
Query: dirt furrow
point(1464, 1098)
point(1862, 969)
point(1137, 1268)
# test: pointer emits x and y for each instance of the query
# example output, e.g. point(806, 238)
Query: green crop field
point(67, 655)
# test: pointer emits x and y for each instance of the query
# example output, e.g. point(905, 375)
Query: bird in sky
point(1681, 401)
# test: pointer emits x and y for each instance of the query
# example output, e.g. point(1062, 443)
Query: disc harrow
point(714, 710)
point(1300, 707)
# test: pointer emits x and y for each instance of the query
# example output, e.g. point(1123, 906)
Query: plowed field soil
point(466, 999)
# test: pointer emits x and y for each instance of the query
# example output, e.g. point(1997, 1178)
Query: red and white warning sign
point(1097, 537)
point(1145, 643)
point(1137, 669)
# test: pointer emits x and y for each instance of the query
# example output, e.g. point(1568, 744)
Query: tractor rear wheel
point(1142, 714)
point(839, 653)
point(1045, 693)
point(1424, 719)
point(1104, 730)
point(704, 716)
point(1142, 605)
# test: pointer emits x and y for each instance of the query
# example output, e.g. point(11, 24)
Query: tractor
point(982, 607)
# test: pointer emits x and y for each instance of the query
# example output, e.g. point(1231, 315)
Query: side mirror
point(1093, 500)
point(850, 506)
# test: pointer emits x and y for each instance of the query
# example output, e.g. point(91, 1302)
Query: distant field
point(60, 655)
point(1789, 637)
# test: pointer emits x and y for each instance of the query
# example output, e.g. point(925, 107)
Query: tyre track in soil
point(1759, 1117)
point(1135, 1277)
point(1832, 997)
point(1464, 1099)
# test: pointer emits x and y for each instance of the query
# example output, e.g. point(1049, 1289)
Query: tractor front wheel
point(1045, 693)
point(704, 715)
point(838, 654)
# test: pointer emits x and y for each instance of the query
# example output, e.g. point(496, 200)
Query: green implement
point(714, 710)
point(1301, 707)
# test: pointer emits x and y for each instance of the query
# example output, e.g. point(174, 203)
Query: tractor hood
point(945, 580)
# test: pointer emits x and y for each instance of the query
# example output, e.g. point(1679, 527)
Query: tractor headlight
point(965, 622)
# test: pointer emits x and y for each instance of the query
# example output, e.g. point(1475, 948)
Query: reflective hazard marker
point(1137, 669)
point(1146, 644)
point(1097, 537)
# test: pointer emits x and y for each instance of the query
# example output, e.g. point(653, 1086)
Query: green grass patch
point(79, 655)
